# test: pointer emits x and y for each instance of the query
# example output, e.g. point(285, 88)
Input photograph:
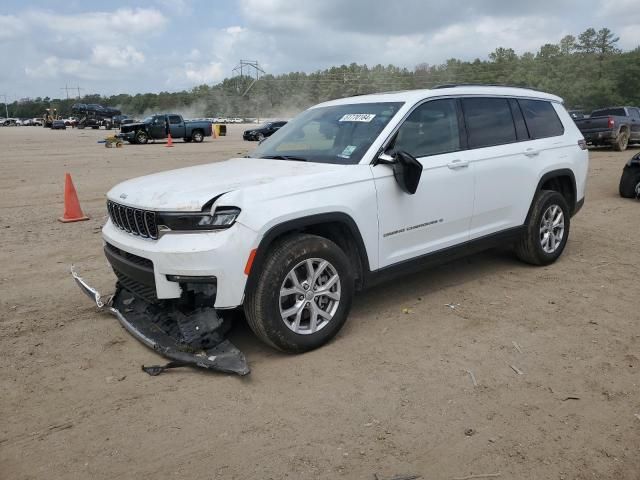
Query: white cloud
point(199, 74)
point(10, 27)
point(116, 57)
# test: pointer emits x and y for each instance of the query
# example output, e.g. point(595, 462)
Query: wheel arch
point(562, 181)
point(338, 227)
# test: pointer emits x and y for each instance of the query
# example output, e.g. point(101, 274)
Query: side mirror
point(406, 170)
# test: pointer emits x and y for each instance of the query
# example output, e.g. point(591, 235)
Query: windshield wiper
point(285, 157)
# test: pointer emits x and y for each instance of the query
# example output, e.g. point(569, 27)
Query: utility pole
point(78, 88)
point(66, 88)
point(252, 67)
point(6, 107)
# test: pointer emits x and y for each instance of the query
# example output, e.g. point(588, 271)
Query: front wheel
point(141, 137)
point(303, 294)
point(547, 231)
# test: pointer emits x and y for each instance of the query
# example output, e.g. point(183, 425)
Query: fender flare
point(299, 224)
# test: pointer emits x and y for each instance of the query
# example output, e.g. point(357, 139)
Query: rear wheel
point(630, 183)
point(547, 231)
point(303, 294)
point(197, 136)
point(621, 142)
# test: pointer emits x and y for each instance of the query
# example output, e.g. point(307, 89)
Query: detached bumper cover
point(152, 326)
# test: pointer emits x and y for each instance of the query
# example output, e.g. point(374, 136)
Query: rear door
point(176, 126)
point(502, 158)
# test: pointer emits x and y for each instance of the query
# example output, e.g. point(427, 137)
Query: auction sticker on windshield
point(358, 117)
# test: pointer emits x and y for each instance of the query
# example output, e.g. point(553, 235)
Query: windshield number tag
point(358, 117)
point(346, 153)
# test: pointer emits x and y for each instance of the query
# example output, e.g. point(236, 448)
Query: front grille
point(133, 220)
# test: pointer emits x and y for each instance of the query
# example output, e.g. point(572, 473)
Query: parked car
point(58, 125)
point(157, 126)
point(615, 126)
point(11, 122)
point(263, 131)
point(630, 179)
point(348, 193)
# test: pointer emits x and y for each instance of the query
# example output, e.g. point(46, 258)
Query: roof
point(413, 96)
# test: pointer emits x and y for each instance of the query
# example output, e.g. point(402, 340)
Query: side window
point(174, 119)
point(489, 122)
point(635, 113)
point(430, 129)
point(541, 118)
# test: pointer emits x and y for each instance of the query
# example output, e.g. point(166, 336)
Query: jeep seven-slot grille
point(133, 220)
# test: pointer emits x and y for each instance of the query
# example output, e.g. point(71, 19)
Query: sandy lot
point(390, 395)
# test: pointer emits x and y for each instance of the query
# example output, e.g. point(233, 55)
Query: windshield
point(148, 119)
point(335, 134)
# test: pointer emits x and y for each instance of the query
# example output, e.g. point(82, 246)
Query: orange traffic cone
point(169, 141)
point(72, 210)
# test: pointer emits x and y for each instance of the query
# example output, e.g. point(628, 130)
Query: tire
point(265, 302)
point(538, 246)
point(141, 137)
point(630, 183)
point(622, 142)
point(197, 136)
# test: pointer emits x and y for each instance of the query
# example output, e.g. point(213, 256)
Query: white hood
point(188, 189)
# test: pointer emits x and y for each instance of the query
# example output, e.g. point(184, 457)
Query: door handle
point(531, 152)
point(456, 164)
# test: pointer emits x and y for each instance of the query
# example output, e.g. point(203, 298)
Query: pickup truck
point(157, 127)
point(615, 126)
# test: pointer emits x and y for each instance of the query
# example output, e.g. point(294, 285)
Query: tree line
point(587, 71)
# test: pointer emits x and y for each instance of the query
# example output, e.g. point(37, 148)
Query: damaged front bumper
point(193, 338)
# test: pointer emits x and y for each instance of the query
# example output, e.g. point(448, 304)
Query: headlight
point(223, 218)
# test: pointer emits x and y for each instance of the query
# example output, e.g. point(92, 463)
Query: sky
point(170, 45)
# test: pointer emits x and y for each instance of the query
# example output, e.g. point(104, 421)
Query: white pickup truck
point(346, 194)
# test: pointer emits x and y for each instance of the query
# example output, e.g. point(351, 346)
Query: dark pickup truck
point(615, 126)
point(157, 127)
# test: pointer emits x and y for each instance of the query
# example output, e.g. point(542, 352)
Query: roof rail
point(453, 85)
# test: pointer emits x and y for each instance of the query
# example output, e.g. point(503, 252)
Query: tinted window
point(541, 118)
point(609, 111)
point(489, 122)
point(174, 119)
point(430, 129)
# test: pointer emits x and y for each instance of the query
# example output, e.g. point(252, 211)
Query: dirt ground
point(390, 395)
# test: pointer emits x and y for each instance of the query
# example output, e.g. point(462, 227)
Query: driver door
point(158, 127)
point(439, 214)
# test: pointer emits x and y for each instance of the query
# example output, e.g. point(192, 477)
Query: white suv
point(347, 193)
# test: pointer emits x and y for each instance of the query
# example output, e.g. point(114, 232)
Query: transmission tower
point(247, 70)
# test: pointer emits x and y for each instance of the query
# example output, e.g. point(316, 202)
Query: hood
point(188, 189)
point(128, 127)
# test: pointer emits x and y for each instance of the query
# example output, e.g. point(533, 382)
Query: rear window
point(609, 111)
point(541, 119)
point(489, 122)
